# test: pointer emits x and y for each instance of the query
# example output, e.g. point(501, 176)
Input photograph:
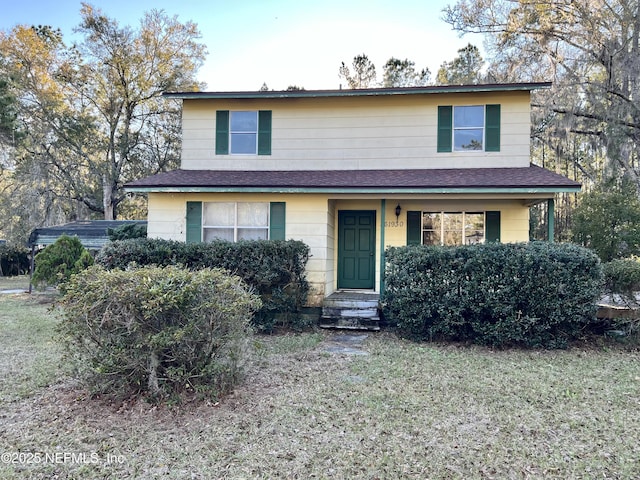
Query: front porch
point(351, 309)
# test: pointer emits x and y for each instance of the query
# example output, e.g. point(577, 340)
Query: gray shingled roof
point(93, 234)
point(464, 178)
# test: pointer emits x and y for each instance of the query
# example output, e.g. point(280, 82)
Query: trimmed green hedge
point(274, 268)
point(124, 232)
point(537, 294)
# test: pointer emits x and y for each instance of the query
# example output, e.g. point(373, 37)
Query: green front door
point(356, 249)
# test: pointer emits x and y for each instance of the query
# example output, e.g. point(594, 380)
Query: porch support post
point(550, 219)
point(383, 208)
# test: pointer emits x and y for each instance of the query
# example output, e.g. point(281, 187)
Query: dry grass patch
point(28, 353)
point(13, 283)
point(404, 411)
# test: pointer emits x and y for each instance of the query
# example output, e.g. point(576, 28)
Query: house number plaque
point(393, 224)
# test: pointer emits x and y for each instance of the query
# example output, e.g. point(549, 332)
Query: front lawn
point(14, 283)
point(405, 410)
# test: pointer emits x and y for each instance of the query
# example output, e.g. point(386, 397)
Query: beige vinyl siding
point(306, 221)
point(356, 133)
point(167, 216)
point(514, 224)
point(330, 265)
point(312, 218)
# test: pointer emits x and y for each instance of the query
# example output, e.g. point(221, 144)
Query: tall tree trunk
point(108, 203)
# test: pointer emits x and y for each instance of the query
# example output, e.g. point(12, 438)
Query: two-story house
point(350, 172)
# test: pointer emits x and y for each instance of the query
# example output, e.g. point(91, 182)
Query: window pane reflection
point(468, 116)
point(452, 228)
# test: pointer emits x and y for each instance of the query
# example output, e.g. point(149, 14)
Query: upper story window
point(243, 132)
point(469, 128)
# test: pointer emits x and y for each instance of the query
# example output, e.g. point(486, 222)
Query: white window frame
point(442, 224)
point(456, 108)
point(243, 132)
point(236, 227)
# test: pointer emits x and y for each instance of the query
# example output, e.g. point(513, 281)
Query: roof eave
point(365, 92)
point(359, 190)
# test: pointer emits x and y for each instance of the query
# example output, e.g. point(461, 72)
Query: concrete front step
point(348, 302)
point(351, 310)
point(350, 323)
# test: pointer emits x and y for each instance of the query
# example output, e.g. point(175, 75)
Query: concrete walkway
point(13, 291)
point(346, 344)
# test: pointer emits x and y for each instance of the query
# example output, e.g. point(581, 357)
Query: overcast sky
point(278, 42)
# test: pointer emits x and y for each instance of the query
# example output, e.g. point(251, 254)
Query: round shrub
point(57, 262)
point(157, 331)
point(622, 283)
point(622, 277)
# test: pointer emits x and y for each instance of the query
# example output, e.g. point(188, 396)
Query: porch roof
point(532, 179)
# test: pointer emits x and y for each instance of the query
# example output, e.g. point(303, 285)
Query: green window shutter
point(194, 222)
point(264, 132)
point(445, 128)
point(492, 128)
point(492, 226)
point(414, 228)
point(277, 217)
point(222, 132)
